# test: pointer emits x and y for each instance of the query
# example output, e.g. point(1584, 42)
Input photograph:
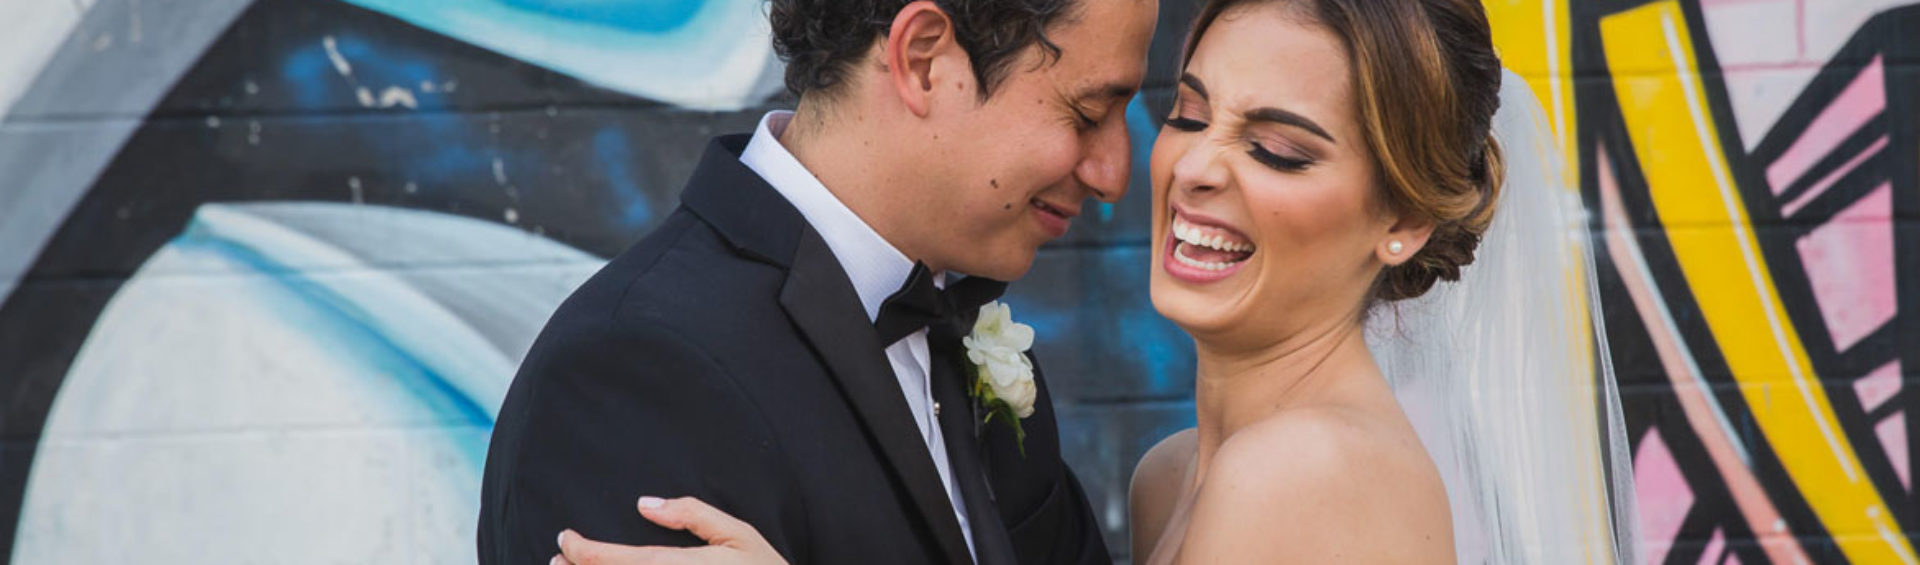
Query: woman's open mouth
point(1202, 250)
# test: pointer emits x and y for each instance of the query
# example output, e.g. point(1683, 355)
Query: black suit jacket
point(726, 356)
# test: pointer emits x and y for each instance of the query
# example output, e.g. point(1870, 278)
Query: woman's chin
point(1195, 312)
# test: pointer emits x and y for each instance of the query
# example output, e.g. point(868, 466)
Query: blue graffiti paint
point(1163, 350)
point(440, 149)
point(646, 16)
point(310, 74)
point(316, 83)
point(1141, 131)
point(690, 53)
point(1048, 324)
point(1161, 347)
point(427, 386)
point(1109, 315)
point(1158, 345)
point(612, 150)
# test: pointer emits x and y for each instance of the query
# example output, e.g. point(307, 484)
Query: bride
point(1327, 162)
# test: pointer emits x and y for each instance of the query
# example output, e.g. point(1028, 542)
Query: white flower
point(998, 348)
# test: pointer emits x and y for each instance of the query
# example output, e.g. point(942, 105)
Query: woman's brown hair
point(1427, 82)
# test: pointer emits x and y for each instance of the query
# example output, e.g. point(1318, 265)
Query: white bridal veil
point(1506, 375)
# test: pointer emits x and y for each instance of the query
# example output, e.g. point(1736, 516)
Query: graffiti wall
point(1753, 170)
point(267, 266)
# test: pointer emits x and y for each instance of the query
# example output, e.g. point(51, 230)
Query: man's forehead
point(1103, 55)
point(1114, 73)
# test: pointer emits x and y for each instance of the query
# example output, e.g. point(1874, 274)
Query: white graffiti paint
point(293, 383)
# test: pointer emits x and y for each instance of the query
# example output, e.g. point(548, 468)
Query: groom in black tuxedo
point(786, 345)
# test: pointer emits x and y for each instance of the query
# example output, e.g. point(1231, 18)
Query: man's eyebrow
point(1279, 116)
point(1115, 91)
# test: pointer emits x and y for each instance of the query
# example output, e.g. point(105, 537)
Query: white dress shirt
point(877, 269)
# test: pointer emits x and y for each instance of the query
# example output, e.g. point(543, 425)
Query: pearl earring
point(1394, 247)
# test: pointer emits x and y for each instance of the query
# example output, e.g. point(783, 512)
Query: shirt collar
point(876, 267)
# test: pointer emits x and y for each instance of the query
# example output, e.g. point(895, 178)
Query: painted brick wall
point(266, 265)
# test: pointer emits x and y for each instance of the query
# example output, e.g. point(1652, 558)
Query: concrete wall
point(267, 265)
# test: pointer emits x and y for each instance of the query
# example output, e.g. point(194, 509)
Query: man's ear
point(920, 52)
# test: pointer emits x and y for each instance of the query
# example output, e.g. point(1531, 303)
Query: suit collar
point(874, 265)
point(753, 217)
point(819, 298)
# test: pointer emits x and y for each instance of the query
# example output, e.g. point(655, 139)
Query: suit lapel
point(822, 302)
point(759, 223)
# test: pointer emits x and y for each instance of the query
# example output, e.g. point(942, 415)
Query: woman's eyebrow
point(1194, 83)
point(1279, 116)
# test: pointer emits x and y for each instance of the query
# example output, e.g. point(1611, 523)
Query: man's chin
point(1009, 267)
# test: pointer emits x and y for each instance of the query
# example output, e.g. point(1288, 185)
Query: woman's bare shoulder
point(1321, 485)
point(1170, 456)
point(1156, 487)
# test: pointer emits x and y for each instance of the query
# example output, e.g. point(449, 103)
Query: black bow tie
point(919, 304)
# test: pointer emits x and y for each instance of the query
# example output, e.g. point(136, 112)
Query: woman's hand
point(729, 540)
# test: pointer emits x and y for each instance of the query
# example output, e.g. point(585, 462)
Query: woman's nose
point(1199, 168)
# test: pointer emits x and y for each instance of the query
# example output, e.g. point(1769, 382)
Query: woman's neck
point(1236, 388)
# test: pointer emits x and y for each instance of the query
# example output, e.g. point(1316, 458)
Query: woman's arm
point(1156, 487)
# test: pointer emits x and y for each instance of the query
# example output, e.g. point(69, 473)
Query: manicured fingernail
point(650, 503)
point(560, 540)
point(556, 561)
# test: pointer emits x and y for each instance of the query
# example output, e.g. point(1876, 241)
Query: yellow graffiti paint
point(1532, 39)
point(1650, 53)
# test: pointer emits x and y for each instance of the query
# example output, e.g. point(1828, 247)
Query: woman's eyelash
point(1277, 162)
point(1185, 124)
point(1261, 154)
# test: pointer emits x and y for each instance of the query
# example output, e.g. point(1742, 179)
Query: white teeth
point(1198, 264)
point(1191, 234)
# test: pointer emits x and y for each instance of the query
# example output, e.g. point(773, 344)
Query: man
point(747, 351)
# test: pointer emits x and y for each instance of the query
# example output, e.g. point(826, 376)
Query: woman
point(1323, 158)
point(1354, 170)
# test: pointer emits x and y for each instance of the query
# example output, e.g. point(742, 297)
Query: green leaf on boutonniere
point(997, 408)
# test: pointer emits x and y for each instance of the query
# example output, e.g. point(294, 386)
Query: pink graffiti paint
point(1875, 390)
point(1663, 493)
point(1893, 437)
point(1849, 262)
point(1746, 33)
point(1827, 182)
point(1716, 545)
point(1781, 546)
point(1863, 99)
point(1878, 386)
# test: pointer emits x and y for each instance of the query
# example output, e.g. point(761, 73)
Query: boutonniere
point(1002, 373)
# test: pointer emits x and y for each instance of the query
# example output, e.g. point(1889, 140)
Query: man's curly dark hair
point(820, 40)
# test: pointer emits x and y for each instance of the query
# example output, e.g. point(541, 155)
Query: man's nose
point(1107, 161)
